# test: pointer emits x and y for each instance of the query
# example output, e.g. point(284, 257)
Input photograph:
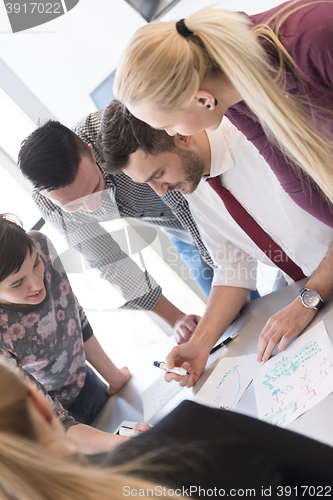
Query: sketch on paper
point(228, 382)
point(296, 379)
point(158, 395)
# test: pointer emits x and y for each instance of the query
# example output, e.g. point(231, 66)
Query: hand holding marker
point(181, 371)
point(177, 369)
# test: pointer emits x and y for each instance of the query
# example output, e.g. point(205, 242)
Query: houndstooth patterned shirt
point(122, 198)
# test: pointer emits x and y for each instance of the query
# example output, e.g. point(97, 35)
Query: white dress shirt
point(247, 176)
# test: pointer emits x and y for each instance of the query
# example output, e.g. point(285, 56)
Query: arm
point(97, 357)
point(60, 412)
point(291, 321)
point(301, 189)
point(223, 304)
point(185, 325)
point(84, 234)
point(91, 440)
point(140, 290)
point(307, 36)
point(234, 275)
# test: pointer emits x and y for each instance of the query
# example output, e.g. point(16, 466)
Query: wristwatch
point(311, 298)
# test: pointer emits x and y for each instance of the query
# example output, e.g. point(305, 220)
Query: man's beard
point(192, 167)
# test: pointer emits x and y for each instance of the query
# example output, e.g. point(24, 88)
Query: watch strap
point(321, 302)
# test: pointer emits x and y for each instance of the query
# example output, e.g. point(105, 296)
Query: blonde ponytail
point(163, 68)
point(29, 472)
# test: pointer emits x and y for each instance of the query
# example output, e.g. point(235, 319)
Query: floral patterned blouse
point(47, 339)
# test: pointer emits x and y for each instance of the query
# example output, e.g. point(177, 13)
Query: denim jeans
point(201, 272)
point(90, 400)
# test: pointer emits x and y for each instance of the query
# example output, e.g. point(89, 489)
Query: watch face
point(311, 298)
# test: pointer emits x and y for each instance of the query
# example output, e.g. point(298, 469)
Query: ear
point(40, 403)
point(183, 141)
point(90, 146)
point(205, 99)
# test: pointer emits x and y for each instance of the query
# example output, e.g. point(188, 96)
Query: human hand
point(189, 356)
point(283, 327)
point(141, 427)
point(185, 327)
point(129, 432)
point(123, 376)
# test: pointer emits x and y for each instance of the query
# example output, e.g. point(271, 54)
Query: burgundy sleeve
point(308, 36)
point(298, 186)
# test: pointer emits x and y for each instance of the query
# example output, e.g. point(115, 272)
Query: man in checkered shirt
point(75, 194)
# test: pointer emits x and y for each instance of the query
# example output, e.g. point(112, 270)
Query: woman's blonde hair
point(29, 472)
point(162, 67)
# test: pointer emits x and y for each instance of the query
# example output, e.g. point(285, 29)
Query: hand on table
point(185, 327)
point(190, 357)
point(283, 327)
point(123, 377)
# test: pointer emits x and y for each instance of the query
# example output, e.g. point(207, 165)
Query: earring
point(208, 105)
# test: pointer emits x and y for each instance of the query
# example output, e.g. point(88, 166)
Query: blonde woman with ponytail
point(271, 74)
point(35, 454)
point(194, 452)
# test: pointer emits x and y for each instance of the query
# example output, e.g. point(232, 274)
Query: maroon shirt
point(308, 37)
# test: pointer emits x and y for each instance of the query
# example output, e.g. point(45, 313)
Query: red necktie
point(255, 232)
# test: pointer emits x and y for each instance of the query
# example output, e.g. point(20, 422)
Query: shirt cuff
point(145, 302)
point(241, 275)
point(87, 332)
point(69, 423)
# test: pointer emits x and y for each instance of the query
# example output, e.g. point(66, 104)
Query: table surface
point(127, 403)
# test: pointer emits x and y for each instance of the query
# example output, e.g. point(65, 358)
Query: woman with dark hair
point(44, 330)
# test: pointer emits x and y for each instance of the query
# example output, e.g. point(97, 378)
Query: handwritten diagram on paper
point(228, 382)
point(158, 395)
point(296, 379)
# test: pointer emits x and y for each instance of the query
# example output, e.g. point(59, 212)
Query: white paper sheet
point(158, 395)
point(296, 379)
point(228, 382)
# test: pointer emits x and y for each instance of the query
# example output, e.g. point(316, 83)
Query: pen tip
point(157, 363)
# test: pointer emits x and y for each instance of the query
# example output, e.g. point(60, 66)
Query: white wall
point(187, 7)
point(64, 60)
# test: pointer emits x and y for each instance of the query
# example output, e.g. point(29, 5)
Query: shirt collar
point(107, 177)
